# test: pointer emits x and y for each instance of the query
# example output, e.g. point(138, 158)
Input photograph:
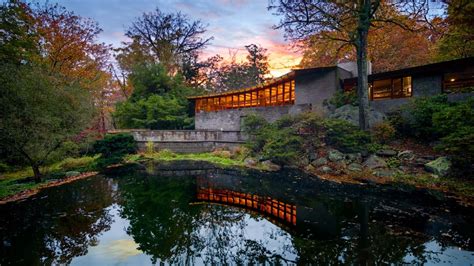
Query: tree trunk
point(362, 79)
point(36, 172)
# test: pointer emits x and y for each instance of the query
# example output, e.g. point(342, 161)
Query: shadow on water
point(217, 216)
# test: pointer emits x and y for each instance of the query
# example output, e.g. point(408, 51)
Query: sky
point(232, 23)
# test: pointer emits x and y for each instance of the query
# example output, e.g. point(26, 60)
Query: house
point(309, 90)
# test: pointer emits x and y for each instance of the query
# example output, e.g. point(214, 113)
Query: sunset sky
point(233, 23)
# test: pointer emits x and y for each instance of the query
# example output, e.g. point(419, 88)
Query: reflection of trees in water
point(167, 227)
point(59, 226)
point(329, 230)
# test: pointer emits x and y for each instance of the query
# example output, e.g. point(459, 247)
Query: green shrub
point(449, 119)
point(345, 136)
point(113, 147)
point(4, 168)
point(415, 118)
point(459, 145)
point(383, 132)
point(283, 146)
point(73, 163)
point(252, 123)
point(342, 98)
point(150, 147)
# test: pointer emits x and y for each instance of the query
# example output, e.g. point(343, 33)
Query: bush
point(4, 168)
point(74, 163)
point(252, 123)
point(446, 120)
point(342, 98)
point(282, 147)
point(415, 118)
point(345, 136)
point(459, 145)
point(292, 136)
point(114, 146)
point(383, 132)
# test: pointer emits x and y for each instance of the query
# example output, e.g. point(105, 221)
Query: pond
point(141, 216)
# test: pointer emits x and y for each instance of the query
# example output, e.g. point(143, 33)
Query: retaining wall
point(186, 141)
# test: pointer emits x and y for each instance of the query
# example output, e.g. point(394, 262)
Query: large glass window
point(459, 82)
point(277, 94)
point(390, 88)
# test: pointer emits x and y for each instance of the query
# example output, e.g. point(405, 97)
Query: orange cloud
point(282, 58)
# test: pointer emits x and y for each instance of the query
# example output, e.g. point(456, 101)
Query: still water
point(135, 216)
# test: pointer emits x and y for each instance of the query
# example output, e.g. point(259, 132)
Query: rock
point(310, 168)
point(354, 167)
point(319, 162)
point(335, 156)
point(421, 161)
point(440, 166)
point(312, 156)
point(250, 162)
point(374, 162)
point(386, 153)
point(406, 155)
point(354, 157)
point(271, 166)
point(384, 172)
point(350, 113)
point(72, 173)
point(325, 169)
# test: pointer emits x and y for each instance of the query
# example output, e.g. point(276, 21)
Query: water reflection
point(215, 217)
point(57, 226)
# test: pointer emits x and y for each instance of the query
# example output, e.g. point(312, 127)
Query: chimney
point(352, 67)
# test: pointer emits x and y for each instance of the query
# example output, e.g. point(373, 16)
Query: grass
point(17, 181)
point(461, 187)
point(219, 158)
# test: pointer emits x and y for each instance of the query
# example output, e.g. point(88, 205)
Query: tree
point(17, 40)
point(50, 76)
point(169, 38)
point(69, 46)
point(157, 102)
point(458, 41)
point(389, 48)
point(347, 22)
point(224, 76)
point(38, 115)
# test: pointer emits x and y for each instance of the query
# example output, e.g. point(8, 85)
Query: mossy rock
point(441, 166)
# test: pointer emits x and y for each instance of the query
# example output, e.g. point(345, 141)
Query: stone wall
point(186, 141)
point(231, 119)
point(427, 85)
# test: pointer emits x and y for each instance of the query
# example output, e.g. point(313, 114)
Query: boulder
point(335, 156)
point(250, 162)
point(319, 162)
point(354, 157)
point(325, 169)
point(271, 166)
point(354, 167)
point(312, 155)
point(386, 153)
point(406, 155)
point(384, 172)
point(350, 113)
point(374, 162)
point(440, 166)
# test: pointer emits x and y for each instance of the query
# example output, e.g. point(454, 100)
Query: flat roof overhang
point(430, 69)
point(287, 77)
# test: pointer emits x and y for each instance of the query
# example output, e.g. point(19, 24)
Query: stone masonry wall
point(186, 141)
point(231, 119)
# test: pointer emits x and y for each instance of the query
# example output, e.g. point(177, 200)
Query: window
point(277, 94)
point(459, 82)
point(390, 88)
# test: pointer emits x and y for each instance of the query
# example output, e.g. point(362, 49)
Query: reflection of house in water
point(268, 206)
